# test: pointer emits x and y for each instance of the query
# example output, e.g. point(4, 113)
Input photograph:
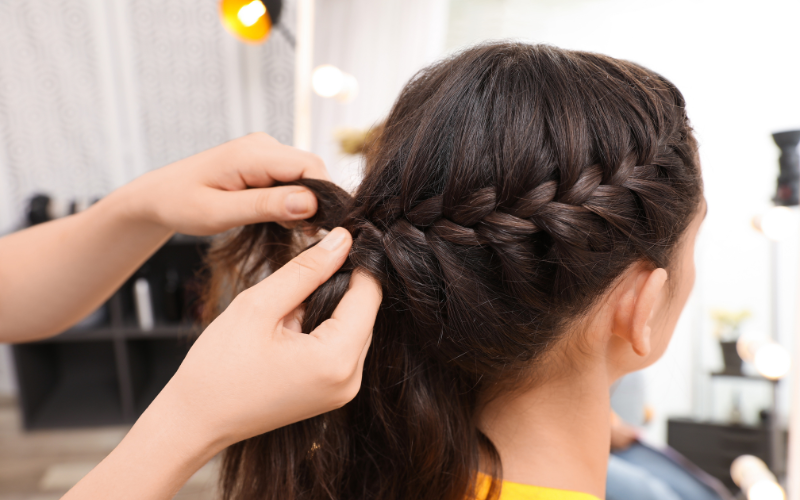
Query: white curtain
point(94, 93)
point(381, 43)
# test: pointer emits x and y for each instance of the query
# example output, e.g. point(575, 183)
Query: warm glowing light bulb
point(327, 80)
point(251, 13)
point(330, 81)
point(766, 490)
point(247, 20)
point(772, 361)
point(777, 223)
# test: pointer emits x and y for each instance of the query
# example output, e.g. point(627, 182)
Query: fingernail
point(298, 203)
point(333, 240)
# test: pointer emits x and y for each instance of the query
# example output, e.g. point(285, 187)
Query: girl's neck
point(556, 434)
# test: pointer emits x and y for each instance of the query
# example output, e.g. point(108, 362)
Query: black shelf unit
point(109, 373)
point(714, 446)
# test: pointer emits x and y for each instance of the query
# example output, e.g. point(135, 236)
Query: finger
point(260, 161)
point(362, 358)
point(352, 321)
point(282, 203)
point(294, 321)
point(290, 285)
point(290, 164)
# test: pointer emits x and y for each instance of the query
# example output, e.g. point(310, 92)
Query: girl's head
point(519, 207)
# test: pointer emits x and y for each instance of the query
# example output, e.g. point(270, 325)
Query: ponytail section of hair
point(312, 459)
point(243, 258)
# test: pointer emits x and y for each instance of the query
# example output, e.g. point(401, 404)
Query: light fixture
point(755, 479)
point(772, 361)
point(330, 81)
point(777, 223)
point(251, 13)
point(250, 20)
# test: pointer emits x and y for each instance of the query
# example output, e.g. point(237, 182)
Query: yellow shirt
point(517, 491)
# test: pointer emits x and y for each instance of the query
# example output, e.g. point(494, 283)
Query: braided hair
point(508, 188)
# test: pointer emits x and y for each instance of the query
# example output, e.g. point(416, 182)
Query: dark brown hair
point(508, 188)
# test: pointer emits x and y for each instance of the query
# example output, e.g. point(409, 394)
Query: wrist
point(119, 216)
point(185, 431)
point(133, 203)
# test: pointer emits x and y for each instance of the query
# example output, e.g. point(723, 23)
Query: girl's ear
point(635, 308)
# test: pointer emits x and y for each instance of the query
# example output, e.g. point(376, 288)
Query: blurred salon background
point(93, 93)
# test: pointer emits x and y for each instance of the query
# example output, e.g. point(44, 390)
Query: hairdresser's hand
point(249, 372)
point(208, 193)
point(56, 273)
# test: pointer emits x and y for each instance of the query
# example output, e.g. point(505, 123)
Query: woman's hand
point(209, 193)
point(250, 372)
point(56, 273)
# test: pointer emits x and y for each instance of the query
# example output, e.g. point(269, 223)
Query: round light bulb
point(250, 14)
point(772, 361)
point(327, 80)
point(766, 490)
point(777, 223)
point(247, 20)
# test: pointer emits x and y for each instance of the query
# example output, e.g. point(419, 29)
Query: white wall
point(736, 63)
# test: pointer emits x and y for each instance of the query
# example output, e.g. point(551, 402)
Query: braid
point(496, 208)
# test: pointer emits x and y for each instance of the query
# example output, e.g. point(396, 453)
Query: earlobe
point(644, 305)
point(641, 342)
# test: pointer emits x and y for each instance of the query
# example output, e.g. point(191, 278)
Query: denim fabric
point(643, 473)
point(626, 481)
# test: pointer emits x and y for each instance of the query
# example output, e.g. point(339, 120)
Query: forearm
point(156, 458)
point(54, 274)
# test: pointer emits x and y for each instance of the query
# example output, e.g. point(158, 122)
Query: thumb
point(289, 286)
point(351, 323)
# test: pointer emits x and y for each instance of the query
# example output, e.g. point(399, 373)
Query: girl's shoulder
point(517, 491)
